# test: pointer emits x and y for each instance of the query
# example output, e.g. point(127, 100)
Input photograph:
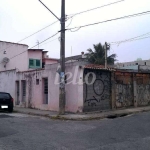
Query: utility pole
point(106, 47)
point(62, 61)
point(62, 57)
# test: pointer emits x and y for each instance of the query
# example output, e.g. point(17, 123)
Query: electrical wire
point(49, 41)
point(33, 46)
point(30, 35)
point(124, 17)
point(72, 15)
point(131, 39)
point(44, 40)
point(70, 22)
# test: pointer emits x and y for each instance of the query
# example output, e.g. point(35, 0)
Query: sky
point(21, 18)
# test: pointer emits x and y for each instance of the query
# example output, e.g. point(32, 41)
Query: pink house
point(18, 56)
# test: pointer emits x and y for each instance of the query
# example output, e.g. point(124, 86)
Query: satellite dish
point(5, 60)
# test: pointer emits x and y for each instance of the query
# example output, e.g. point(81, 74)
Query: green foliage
point(97, 56)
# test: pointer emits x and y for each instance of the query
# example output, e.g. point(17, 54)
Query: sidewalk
point(82, 116)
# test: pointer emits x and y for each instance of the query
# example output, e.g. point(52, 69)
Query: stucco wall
point(7, 82)
point(20, 62)
point(74, 87)
point(133, 63)
point(35, 54)
point(50, 61)
point(34, 93)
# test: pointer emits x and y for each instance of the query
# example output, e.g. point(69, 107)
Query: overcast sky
point(20, 18)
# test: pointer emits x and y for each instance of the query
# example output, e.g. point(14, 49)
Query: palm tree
point(98, 55)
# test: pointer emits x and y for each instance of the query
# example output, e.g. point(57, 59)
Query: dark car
point(6, 101)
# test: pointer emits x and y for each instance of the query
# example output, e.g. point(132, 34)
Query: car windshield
point(4, 96)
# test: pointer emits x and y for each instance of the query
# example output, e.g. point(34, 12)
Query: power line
point(131, 39)
point(70, 21)
point(50, 41)
point(31, 35)
point(44, 40)
point(34, 46)
point(72, 15)
point(124, 17)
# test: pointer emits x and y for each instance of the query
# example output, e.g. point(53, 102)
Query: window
point(31, 62)
point(38, 63)
point(4, 96)
point(34, 63)
point(45, 90)
point(37, 81)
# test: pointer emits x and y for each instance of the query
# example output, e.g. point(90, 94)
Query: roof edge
point(14, 43)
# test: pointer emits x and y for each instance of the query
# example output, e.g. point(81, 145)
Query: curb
point(109, 115)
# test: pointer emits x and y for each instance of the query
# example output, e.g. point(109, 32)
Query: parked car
point(6, 101)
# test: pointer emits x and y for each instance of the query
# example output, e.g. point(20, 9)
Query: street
point(25, 132)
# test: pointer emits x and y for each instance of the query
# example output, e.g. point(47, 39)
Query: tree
point(97, 56)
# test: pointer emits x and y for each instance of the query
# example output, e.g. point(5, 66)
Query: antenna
point(38, 43)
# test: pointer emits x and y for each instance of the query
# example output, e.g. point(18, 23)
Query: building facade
point(18, 56)
point(88, 88)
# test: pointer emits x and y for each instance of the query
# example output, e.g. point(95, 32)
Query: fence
point(115, 90)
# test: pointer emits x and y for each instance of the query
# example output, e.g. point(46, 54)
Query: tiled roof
point(100, 67)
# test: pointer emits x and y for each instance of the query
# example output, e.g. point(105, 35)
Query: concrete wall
point(143, 89)
point(132, 89)
point(74, 85)
point(97, 94)
point(34, 97)
point(50, 61)
point(124, 90)
point(7, 82)
point(109, 90)
point(144, 68)
point(20, 62)
point(133, 63)
point(35, 54)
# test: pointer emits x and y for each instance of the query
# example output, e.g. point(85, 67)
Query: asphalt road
point(24, 132)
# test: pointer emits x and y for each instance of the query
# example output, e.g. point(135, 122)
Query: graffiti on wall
point(143, 94)
point(124, 94)
point(97, 94)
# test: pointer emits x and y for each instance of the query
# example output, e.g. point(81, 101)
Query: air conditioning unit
point(5, 60)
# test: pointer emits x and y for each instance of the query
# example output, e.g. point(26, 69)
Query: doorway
point(23, 83)
point(17, 93)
